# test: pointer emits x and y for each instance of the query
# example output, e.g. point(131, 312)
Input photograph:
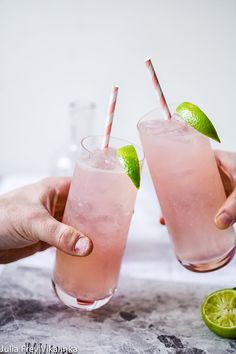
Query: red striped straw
point(157, 88)
point(110, 115)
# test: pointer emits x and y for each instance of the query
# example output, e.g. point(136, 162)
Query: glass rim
point(143, 117)
point(138, 149)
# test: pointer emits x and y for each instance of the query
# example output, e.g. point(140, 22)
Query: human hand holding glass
point(226, 162)
point(30, 221)
point(226, 216)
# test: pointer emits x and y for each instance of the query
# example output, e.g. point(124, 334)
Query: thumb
point(61, 236)
point(226, 216)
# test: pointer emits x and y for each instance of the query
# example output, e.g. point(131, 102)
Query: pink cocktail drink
point(189, 189)
point(100, 204)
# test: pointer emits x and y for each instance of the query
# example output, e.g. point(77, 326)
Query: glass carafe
point(81, 114)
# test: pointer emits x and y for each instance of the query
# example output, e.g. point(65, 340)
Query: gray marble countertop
point(145, 316)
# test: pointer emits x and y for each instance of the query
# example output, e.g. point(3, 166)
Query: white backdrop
point(55, 51)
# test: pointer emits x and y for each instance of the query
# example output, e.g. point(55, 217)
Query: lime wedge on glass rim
point(219, 312)
point(197, 119)
point(130, 162)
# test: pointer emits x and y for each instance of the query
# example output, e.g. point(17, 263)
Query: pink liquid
point(100, 204)
point(190, 192)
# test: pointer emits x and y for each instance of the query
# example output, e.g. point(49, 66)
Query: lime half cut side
point(130, 162)
point(197, 119)
point(219, 312)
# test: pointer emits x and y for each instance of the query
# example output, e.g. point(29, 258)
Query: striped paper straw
point(110, 115)
point(158, 90)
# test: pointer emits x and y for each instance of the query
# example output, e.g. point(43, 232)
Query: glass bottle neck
point(81, 120)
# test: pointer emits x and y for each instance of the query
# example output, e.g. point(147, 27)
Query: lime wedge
point(129, 160)
point(195, 117)
point(219, 312)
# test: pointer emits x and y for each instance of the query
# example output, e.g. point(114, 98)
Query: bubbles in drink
point(84, 210)
point(175, 126)
point(105, 159)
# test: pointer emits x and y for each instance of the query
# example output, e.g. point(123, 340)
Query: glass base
point(210, 266)
point(80, 304)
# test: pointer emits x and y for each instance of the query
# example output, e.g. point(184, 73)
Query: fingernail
point(83, 246)
point(223, 220)
point(162, 220)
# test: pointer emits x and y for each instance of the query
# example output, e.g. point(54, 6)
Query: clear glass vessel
point(81, 114)
point(100, 204)
point(190, 191)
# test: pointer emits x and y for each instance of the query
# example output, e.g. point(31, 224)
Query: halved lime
point(129, 160)
point(219, 312)
point(195, 117)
